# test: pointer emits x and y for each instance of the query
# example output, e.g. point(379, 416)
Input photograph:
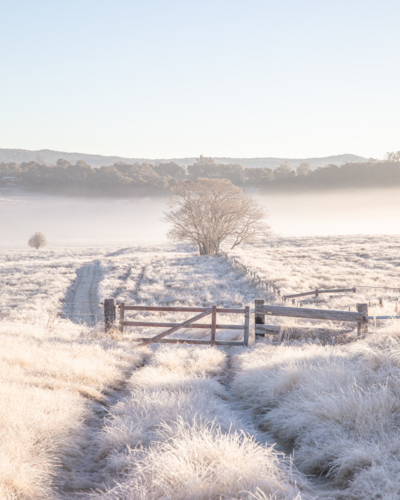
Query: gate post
point(246, 326)
point(362, 326)
point(259, 318)
point(213, 324)
point(121, 317)
point(109, 313)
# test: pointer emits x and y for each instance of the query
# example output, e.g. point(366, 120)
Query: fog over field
point(374, 211)
point(77, 221)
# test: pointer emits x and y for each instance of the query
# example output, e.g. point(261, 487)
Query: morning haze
point(200, 250)
point(82, 204)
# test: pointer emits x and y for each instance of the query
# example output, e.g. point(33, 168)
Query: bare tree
point(37, 240)
point(208, 212)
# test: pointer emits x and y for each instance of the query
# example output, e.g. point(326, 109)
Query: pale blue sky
point(174, 78)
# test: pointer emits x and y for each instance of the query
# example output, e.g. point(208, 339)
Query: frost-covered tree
point(37, 240)
point(209, 212)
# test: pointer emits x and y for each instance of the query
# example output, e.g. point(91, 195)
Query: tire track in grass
point(82, 300)
point(308, 486)
point(88, 471)
point(175, 437)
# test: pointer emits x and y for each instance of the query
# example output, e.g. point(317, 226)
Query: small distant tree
point(209, 212)
point(37, 240)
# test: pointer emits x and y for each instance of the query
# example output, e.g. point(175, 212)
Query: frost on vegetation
point(60, 372)
point(156, 276)
point(198, 461)
point(303, 264)
point(176, 437)
point(338, 408)
point(37, 240)
point(47, 386)
point(52, 377)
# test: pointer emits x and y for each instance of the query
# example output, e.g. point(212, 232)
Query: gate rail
point(110, 308)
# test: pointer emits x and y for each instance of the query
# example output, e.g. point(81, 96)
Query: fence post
point(213, 324)
point(109, 313)
point(121, 317)
point(246, 326)
point(362, 326)
point(259, 319)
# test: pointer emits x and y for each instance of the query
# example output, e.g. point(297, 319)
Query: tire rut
point(85, 468)
point(82, 300)
point(310, 485)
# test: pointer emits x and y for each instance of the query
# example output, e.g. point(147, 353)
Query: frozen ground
point(92, 412)
point(295, 265)
point(57, 377)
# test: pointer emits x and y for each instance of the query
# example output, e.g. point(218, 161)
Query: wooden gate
point(110, 322)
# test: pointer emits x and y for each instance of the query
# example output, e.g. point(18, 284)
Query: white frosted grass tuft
point(337, 407)
point(176, 437)
point(198, 461)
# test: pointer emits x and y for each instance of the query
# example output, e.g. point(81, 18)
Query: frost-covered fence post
point(259, 319)
point(109, 313)
point(121, 317)
point(246, 326)
point(362, 325)
point(213, 324)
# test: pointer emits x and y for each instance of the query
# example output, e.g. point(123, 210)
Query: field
point(90, 415)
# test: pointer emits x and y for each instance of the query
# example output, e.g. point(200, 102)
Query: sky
point(222, 78)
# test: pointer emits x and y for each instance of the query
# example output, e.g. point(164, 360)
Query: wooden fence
point(360, 317)
point(252, 274)
point(317, 292)
point(110, 317)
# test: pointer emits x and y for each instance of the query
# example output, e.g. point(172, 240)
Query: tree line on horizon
point(122, 179)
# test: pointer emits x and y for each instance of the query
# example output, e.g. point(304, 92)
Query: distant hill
point(50, 157)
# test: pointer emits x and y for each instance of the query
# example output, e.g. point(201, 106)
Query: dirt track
point(82, 304)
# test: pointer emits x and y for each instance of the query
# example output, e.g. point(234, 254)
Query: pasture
point(86, 414)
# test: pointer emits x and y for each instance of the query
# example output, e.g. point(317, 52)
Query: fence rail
point(360, 317)
point(182, 309)
point(317, 292)
point(261, 311)
point(194, 325)
point(110, 317)
point(301, 312)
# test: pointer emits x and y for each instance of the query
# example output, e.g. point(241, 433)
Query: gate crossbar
point(175, 328)
point(110, 305)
